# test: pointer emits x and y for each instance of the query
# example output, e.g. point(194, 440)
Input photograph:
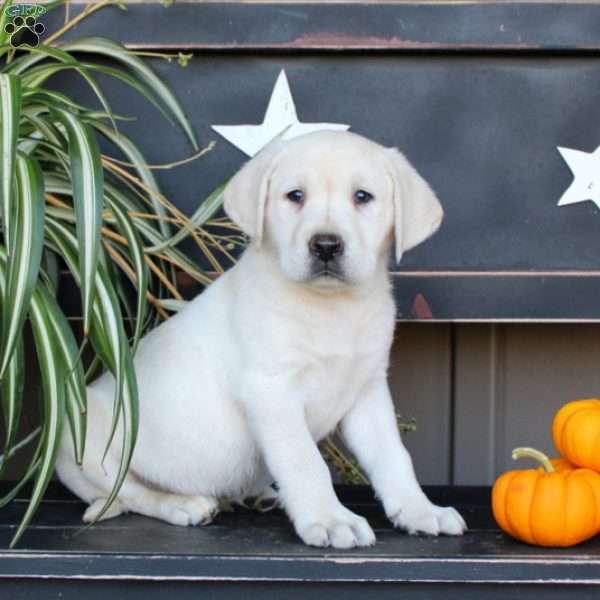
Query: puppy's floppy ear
point(417, 211)
point(245, 196)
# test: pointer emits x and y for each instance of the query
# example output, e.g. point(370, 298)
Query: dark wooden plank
point(245, 546)
point(100, 589)
point(294, 26)
point(480, 296)
point(353, 565)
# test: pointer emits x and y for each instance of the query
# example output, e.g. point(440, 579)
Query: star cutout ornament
point(585, 167)
point(280, 120)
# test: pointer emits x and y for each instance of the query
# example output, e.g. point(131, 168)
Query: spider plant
point(69, 210)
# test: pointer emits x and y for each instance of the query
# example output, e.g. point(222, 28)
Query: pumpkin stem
point(536, 455)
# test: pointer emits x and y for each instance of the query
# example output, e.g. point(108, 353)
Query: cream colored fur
point(237, 388)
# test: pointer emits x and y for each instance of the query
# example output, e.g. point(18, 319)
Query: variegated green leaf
point(51, 99)
point(105, 308)
point(110, 343)
point(52, 371)
point(146, 228)
point(11, 389)
point(88, 192)
point(12, 385)
point(10, 108)
point(44, 134)
point(134, 83)
point(23, 62)
point(65, 343)
point(109, 325)
point(44, 457)
point(60, 134)
point(123, 291)
point(132, 153)
point(77, 421)
point(94, 370)
point(35, 76)
point(105, 47)
point(50, 271)
point(136, 252)
point(45, 125)
point(130, 426)
point(25, 253)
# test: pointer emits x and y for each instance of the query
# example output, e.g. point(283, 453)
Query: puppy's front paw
point(340, 529)
point(430, 519)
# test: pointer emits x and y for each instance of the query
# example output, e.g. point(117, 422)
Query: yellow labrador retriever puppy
point(239, 386)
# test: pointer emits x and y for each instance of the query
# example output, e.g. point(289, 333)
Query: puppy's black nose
point(326, 246)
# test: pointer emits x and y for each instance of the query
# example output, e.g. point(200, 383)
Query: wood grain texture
point(384, 26)
point(248, 547)
point(481, 126)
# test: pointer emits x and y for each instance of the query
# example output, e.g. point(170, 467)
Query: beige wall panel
point(420, 383)
point(475, 401)
point(510, 380)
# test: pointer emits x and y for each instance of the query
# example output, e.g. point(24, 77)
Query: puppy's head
point(328, 205)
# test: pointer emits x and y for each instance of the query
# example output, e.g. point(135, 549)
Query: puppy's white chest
point(330, 384)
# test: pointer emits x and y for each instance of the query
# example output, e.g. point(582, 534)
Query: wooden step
point(259, 553)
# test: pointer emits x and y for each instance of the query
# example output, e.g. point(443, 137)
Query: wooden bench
point(259, 554)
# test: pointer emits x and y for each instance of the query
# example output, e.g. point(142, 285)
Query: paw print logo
point(24, 32)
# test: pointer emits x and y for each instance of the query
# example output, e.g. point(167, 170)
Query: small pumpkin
point(554, 507)
point(559, 464)
point(576, 432)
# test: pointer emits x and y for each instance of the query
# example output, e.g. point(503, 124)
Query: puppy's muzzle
point(326, 246)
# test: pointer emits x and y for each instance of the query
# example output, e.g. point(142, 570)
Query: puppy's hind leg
point(137, 496)
point(93, 510)
point(93, 483)
point(75, 478)
point(177, 509)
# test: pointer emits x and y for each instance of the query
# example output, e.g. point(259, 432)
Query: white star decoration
point(280, 120)
point(585, 167)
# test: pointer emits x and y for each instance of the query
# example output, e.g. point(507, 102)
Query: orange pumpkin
point(549, 507)
point(576, 432)
point(559, 464)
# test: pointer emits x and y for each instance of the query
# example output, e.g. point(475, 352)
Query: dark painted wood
point(99, 589)
point(482, 130)
point(294, 26)
point(248, 547)
point(499, 297)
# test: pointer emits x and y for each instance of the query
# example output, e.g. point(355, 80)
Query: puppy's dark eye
point(362, 197)
point(295, 196)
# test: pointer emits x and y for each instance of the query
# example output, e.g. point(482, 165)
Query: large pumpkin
point(547, 507)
